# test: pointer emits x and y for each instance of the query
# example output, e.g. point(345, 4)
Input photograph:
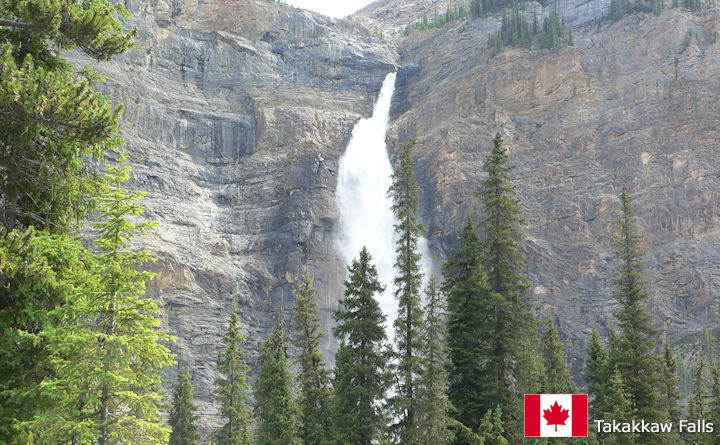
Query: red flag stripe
point(532, 415)
point(579, 415)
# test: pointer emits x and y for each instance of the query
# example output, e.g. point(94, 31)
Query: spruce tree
point(433, 408)
point(360, 363)
point(557, 376)
point(232, 387)
point(315, 393)
point(51, 117)
point(714, 405)
point(405, 194)
point(182, 415)
point(276, 409)
point(470, 388)
point(636, 358)
point(513, 336)
point(671, 380)
point(105, 348)
point(620, 410)
point(699, 403)
point(596, 376)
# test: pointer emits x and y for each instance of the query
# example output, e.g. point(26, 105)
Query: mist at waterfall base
point(366, 216)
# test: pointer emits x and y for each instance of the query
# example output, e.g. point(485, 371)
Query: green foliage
point(452, 13)
point(182, 415)
point(620, 410)
point(491, 428)
point(276, 410)
point(595, 374)
point(232, 388)
point(405, 194)
point(315, 393)
point(635, 356)
point(621, 8)
point(50, 118)
point(517, 32)
point(557, 376)
point(32, 263)
point(512, 334)
point(360, 363)
point(104, 346)
point(433, 404)
point(468, 294)
point(699, 402)
point(671, 382)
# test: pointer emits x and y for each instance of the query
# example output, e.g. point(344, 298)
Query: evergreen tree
point(595, 375)
point(491, 428)
point(557, 375)
point(52, 118)
point(105, 347)
point(182, 415)
point(635, 358)
point(513, 336)
point(232, 388)
point(714, 406)
point(699, 403)
point(405, 194)
point(470, 389)
point(671, 380)
point(434, 406)
point(276, 410)
point(315, 393)
point(360, 376)
point(620, 410)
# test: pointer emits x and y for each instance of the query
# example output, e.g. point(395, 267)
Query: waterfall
point(366, 216)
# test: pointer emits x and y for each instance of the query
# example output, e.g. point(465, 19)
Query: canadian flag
point(556, 415)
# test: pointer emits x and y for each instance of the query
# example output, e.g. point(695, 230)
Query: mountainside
point(229, 104)
point(631, 103)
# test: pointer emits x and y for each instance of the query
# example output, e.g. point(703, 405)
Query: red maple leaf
point(556, 415)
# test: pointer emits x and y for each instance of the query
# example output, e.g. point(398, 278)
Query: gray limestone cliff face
point(228, 105)
point(632, 103)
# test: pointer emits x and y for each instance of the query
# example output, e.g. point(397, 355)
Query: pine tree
point(232, 388)
point(52, 118)
point(513, 335)
point(557, 375)
point(360, 377)
point(276, 410)
point(639, 366)
point(470, 390)
point(699, 403)
point(182, 415)
point(315, 394)
point(405, 194)
point(105, 348)
point(595, 374)
point(620, 410)
point(671, 380)
point(714, 406)
point(492, 431)
point(434, 406)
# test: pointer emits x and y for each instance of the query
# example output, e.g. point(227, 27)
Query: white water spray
point(366, 216)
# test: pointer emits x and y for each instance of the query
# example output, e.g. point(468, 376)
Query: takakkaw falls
point(186, 189)
point(366, 216)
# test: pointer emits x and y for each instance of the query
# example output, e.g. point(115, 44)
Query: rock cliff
point(228, 104)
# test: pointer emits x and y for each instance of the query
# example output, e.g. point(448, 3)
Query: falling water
point(366, 216)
